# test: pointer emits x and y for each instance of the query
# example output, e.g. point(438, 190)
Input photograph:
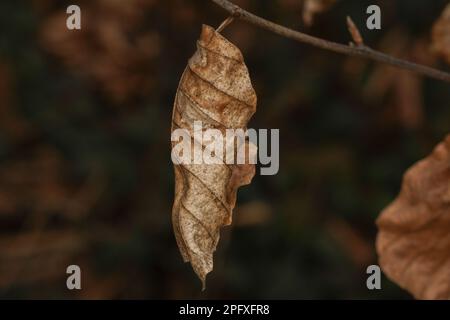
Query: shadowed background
point(85, 171)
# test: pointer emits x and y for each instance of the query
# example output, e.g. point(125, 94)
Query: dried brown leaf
point(413, 242)
point(215, 88)
point(441, 35)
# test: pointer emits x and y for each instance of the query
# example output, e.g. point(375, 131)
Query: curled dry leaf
point(313, 7)
point(441, 35)
point(215, 89)
point(413, 242)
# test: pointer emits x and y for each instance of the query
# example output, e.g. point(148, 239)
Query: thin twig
point(357, 51)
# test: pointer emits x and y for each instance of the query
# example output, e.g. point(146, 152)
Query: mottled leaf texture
point(441, 35)
point(215, 89)
point(414, 231)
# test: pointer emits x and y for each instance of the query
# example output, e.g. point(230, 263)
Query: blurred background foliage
point(85, 170)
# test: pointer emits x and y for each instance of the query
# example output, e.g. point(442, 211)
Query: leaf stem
point(224, 24)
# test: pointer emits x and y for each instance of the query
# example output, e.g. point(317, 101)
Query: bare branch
point(357, 51)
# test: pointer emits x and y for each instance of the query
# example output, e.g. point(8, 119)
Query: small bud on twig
point(354, 32)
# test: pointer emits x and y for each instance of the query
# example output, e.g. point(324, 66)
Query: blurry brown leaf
point(11, 122)
point(36, 184)
point(414, 231)
point(216, 89)
point(409, 99)
point(113, 48)
point(441, 35)
point(101, 286)
point(252, 213)
point(400, 91)
point(313, 7)
point(32, 256)
point(358, 249)
point(395, 42)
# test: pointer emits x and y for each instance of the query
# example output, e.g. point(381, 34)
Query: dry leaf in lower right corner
point(413, 242)
point(441, 35)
